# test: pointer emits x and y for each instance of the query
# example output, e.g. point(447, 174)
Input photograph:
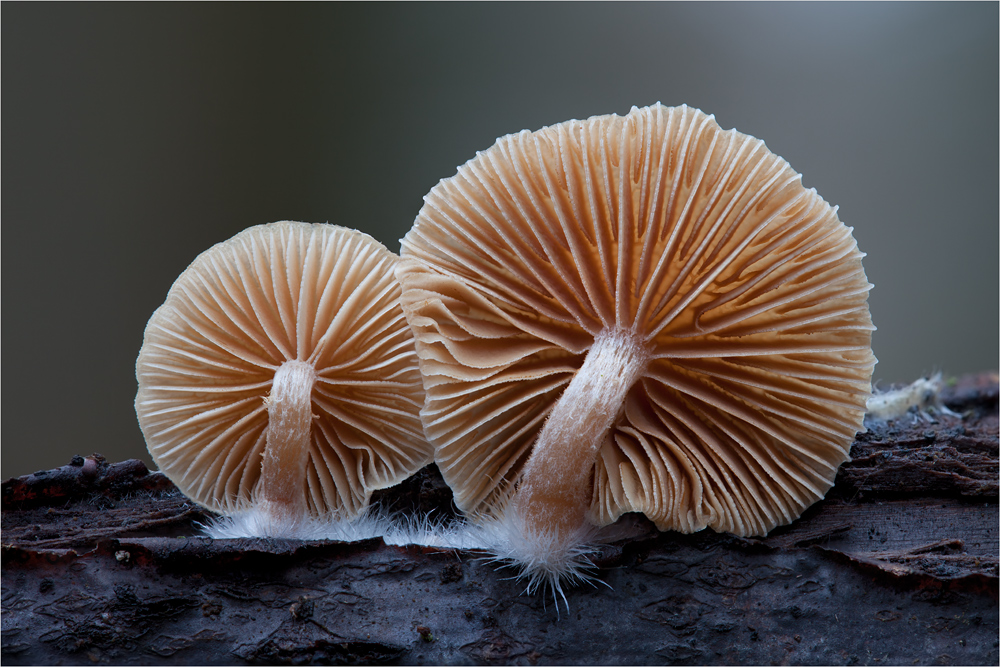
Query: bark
point(102, 563)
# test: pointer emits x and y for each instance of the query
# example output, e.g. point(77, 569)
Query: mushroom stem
point(279, 492)
point(554, 489)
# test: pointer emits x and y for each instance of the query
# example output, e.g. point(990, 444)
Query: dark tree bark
point(898, 565)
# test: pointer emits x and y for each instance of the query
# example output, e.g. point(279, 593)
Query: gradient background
point(136, 136)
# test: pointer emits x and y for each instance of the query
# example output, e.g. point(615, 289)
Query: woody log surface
point(102, 563)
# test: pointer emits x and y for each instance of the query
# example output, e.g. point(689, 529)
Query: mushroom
point(634, 314)
point(278, 382)
point(919, 399)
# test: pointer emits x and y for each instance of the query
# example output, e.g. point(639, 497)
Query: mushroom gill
point(642, 313)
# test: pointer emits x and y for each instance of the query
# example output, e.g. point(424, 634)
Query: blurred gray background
point(135, 136)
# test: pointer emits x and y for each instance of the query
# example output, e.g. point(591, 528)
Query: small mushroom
point(634, 314)
point(920, 399)
point(278, 382)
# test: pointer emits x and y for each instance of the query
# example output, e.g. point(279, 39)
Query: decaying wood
point(102, 563)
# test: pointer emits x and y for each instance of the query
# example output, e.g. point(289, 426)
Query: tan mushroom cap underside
point(746, 289)
point(319, 294)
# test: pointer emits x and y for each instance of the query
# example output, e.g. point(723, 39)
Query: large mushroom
point(634, 314)
point(278, 382)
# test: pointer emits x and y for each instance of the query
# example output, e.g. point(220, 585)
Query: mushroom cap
point(745, 287)
point(284, 291)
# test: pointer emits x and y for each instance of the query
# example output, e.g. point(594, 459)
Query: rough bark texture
point(898, 565)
